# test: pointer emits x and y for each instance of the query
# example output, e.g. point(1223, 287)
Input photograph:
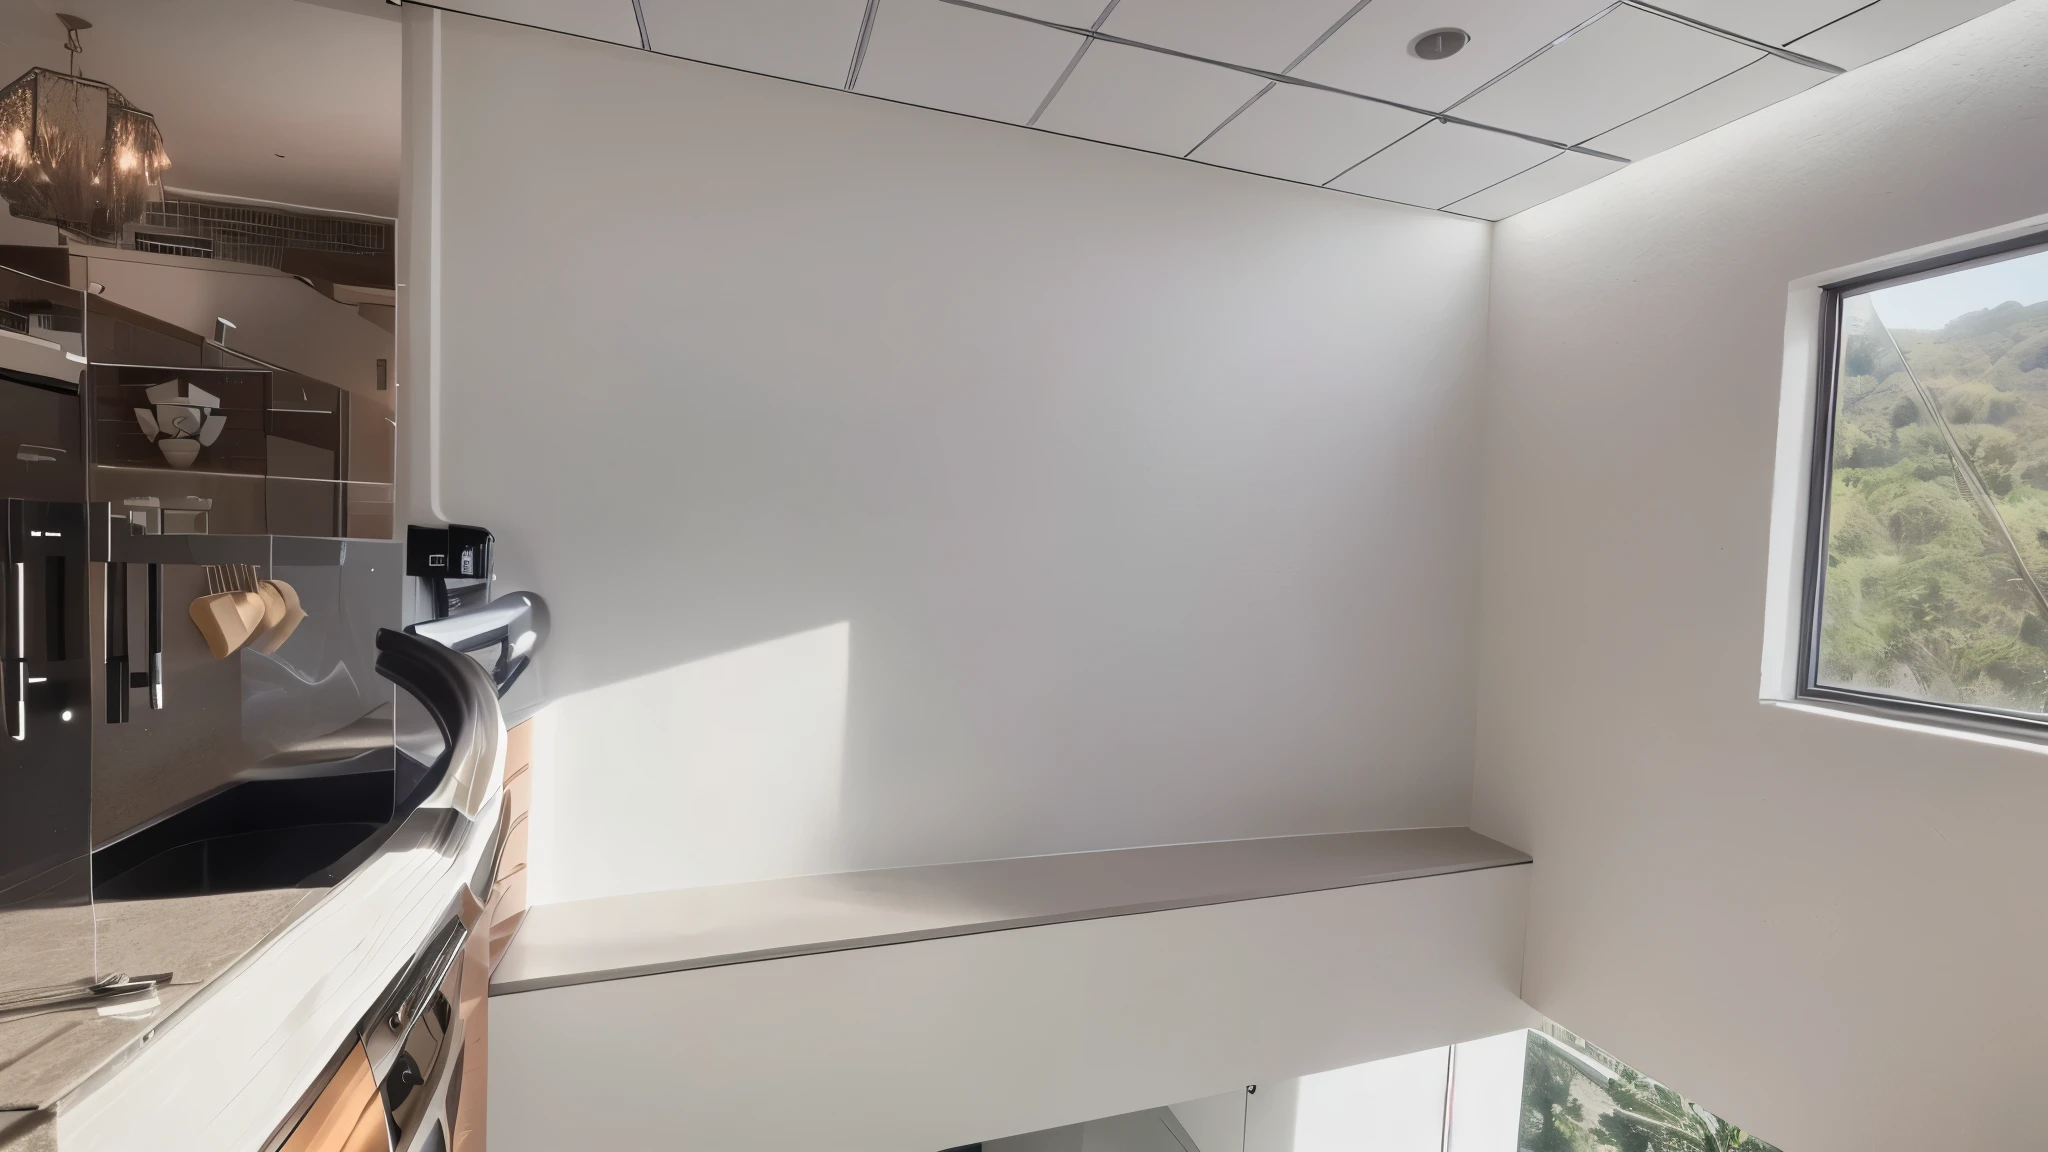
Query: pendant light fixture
point(74, 152)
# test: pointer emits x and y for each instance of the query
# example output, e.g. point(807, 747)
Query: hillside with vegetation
point(1923, 595)
point(1576, 1098)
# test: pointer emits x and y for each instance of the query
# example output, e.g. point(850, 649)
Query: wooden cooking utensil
point(273, 604)
point(226, 616)
point(248, 601)
point(294, 615)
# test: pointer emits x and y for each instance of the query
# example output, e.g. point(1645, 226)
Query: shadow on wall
point(724, 768)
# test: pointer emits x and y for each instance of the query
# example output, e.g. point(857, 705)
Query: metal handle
point(155, 624)
point(516, 624)
point(463, 703)
point(118, 684)
point(119, 680)
point(16, 661)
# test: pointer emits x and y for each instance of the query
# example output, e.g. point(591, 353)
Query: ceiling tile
point(1266, 34)
point(1370, 53)
point(1887, 26)
point(943, 56)
point(801, 39)
point(1079, 13)
point(1732, 97)
point(1623, 65)
point(1771, 21)
point(1146, 99)
point(611, 20)
point(1546, 181)
point(1440, 163)
point(1306, 135)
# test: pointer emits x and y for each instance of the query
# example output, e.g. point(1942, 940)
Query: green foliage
point(1632, 1113)
point(1648, 1117)
point(1552, 1121)
point(1921, 597)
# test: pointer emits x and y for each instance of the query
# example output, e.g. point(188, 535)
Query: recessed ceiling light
point(1439, 43)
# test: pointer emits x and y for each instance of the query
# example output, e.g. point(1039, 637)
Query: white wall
point(1119, 500)
point(15, 230)
point(1828, 931)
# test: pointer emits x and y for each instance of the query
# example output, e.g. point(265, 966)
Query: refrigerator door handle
point(153, 679)
point(14, 668)
point(120, 681)
point(118, 684)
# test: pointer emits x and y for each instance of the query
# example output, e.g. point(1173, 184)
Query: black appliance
point(45, 686)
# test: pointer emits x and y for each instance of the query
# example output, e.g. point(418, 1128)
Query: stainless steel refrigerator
point(46, 929)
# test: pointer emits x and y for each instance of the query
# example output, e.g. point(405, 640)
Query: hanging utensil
point(273, 604)
point(293, 615)
point(226, 616)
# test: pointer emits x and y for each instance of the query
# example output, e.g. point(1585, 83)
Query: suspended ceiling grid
point(1549, 94)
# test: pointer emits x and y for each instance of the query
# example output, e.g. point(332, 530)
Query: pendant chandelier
point(74, 152)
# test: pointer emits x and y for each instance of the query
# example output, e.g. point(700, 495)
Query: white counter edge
point(223, 1072)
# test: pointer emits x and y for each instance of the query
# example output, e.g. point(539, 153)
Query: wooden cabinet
point(497, 919)
point(348, 1113)
point(347, 1116)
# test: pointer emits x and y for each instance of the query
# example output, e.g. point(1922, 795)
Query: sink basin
point(254, 835)
point(309, 831)
point(244, 862)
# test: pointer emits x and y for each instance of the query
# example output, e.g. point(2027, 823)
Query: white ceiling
point(233, 83)
point(1552, 94)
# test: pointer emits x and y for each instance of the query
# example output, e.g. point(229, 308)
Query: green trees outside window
point(1576, 1098)
point(1937, 501)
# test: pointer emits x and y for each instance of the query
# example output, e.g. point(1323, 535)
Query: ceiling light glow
point(74, 152)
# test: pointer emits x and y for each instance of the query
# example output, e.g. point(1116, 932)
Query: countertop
point(195, 939)
point(288, 973)
point(623, 936)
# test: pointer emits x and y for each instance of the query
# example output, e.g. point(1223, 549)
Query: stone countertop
point(623, 936)
point(224, 1065)
point(195, 938)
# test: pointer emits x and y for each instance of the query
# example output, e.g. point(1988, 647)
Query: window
point(1928, 562)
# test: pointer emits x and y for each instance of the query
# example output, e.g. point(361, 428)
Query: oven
point(396, 1084)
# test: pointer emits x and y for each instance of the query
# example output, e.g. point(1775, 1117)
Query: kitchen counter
point(194, 938)
point(618, 937)
point(265, 985)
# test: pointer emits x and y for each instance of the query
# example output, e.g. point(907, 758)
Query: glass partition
point(46, 925)
point(250, 736)
point(233, 451)
point(42, 331)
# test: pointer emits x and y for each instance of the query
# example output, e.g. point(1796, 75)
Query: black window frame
point(1820, 482)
